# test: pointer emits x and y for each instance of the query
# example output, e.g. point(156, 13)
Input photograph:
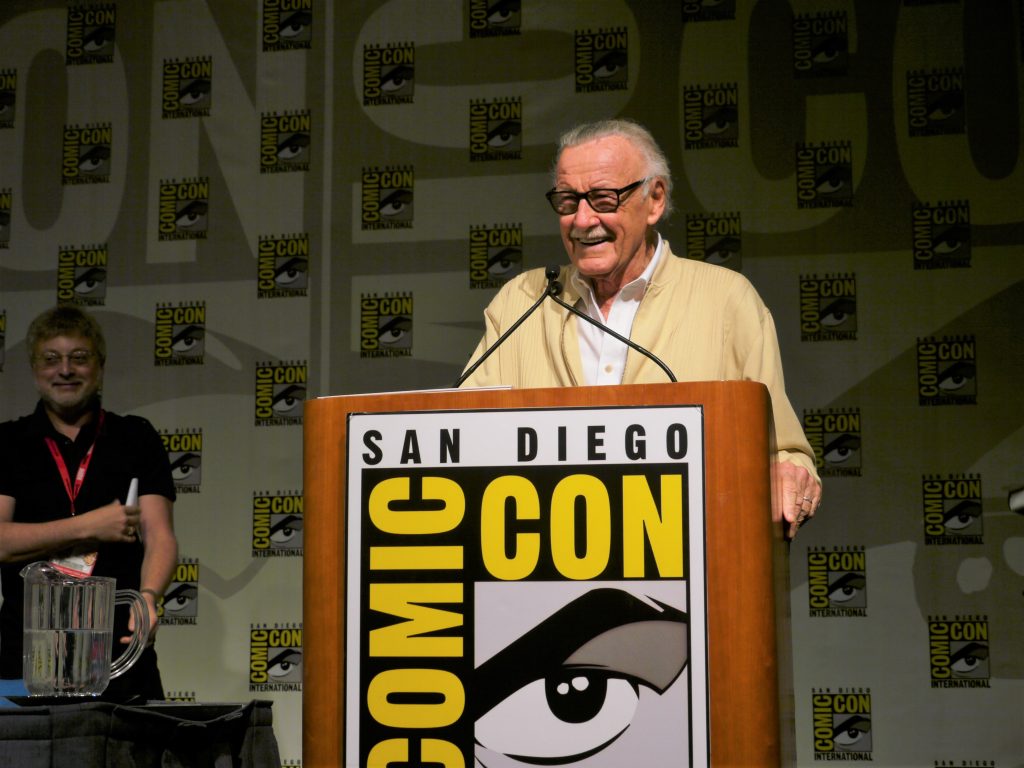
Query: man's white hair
point(655, 163)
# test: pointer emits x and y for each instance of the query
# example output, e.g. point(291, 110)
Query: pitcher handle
point(140, 619)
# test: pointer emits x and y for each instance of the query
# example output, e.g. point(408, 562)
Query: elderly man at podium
point(654, 315)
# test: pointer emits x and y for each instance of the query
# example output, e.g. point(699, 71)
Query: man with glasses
point(65, 473)
point(611, 186)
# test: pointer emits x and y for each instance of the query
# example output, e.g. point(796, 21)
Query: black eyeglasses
point(566, 201)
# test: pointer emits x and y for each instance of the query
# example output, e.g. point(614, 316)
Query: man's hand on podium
point(796, 495)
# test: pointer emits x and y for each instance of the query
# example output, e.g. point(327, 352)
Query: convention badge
point(79, 566)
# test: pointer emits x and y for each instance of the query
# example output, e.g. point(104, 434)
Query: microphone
point(555, 288)
point(551, 273)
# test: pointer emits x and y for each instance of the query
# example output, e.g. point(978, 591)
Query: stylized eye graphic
point(293, 26)
point(950, 239)
point(504, 134)
point(722, 250)
point(95, 159)
point(956, 376)
point(90, 281)
point(961, 515)
point(849, 733)
point(610, 64)
point(828, 50)
point(571, 686)
point(180, 598)
point(185, 465)
point(192, 216)
point(501, 12)
point(286, 665)
point(193, 92)
point(846, 587)
point(842, 449)
point(833, 180)
point(287, 532)
point(946, 106)
point(291, 271)
point(396, 202)
point(6, 104)
point(397, 78)
point(838, 312)
point(188, 339)
point(968, 659)
point(97, 39)
point(504, 261)
point(294, 147)
point(288, 399)
point(720, 121)
point(394, 330)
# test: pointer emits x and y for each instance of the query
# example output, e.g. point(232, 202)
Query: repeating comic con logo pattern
point(82, 275)
point(185, 452)
point(837, 581)
point(91, 32)
point(277, 524)
point(180, 604)
point(958, 652)
point(716, 238)
point(495, 254)
point(275, 657)
point(179, 334)
point(941, 234)
point(280, 393)
point(828, 307)
point(287, 25)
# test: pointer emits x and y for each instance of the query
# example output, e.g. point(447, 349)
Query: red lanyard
point(83, 465)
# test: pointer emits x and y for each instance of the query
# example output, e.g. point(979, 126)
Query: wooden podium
point(742, 545)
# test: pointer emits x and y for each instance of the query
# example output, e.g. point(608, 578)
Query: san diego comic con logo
point(715, 238)
point(952, 509)
point(601, 60)
point(493, 18)
point(828, 307)
point(387, 198)
point(495, 255)
point(184, 209)
point(385, 325)
point(837, 581)
point(835, 438)
point(700, 10)
point(711, 116)
point(824, 175)
point(947, 371)
point(284, 141)
point(275, 657)
point(282, 266)
point(280, 393)
point(82, 275)
point(495, 129)
point(842, 724)
point(179, 332)
point(85, 154)
point(91, 33)
point(185, 697)
point(958, 651)
point(180, 604)
point(185, 453)
point(287, 25)
point(6, 200)
point(8, 97)
point(389, 74)
point(941, 234)
point(820, 44)
point(187, 89)
point(935, 102)
point(277, 524)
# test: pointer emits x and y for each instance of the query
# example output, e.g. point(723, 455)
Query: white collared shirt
point(602, 355)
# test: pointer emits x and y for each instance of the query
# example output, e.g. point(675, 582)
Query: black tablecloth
point(160, 734)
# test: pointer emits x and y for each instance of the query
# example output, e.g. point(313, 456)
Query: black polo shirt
point(126, 447)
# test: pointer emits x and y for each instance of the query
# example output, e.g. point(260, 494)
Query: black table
point(159, 734)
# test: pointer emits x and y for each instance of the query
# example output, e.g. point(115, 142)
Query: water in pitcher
point(68, 662)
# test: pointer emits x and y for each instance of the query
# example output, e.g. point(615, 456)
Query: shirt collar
point(634, 289)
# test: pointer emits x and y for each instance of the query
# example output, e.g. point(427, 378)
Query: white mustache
point(594, 233)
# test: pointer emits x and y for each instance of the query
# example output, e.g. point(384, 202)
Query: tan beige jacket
point(707, 323)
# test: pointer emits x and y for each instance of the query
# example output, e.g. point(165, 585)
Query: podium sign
point(524, 577)
point(526, 585)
